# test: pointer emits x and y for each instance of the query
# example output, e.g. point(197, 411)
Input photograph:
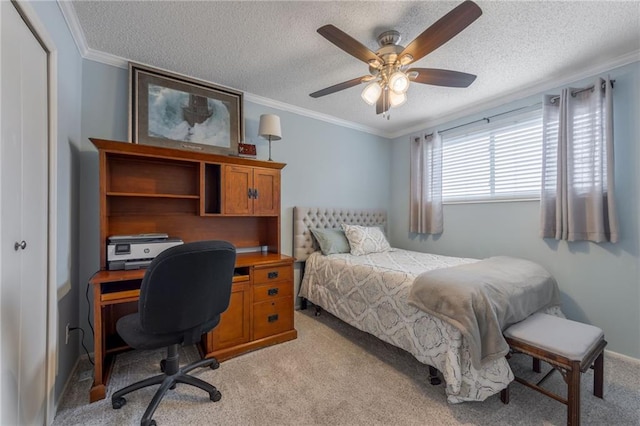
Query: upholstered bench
point(568, 346)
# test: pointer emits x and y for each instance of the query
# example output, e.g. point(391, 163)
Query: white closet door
point(23, 227)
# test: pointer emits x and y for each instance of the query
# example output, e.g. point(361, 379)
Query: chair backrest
point(186, 288)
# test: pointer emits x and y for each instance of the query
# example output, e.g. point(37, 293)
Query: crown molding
point(523, 92)
point(313, 114)
point(69, 14)
point(106, 58)
point(86, 52)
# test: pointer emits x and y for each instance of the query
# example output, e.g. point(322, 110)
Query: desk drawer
point(273, 274)
point(272, 291)
point(272, 317)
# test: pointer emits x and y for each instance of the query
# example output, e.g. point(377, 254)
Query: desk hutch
point(193, 196)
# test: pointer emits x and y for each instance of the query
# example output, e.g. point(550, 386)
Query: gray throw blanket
point(482, 299)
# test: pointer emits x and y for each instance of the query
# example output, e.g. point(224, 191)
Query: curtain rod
point(584, 89)
point(488, 119)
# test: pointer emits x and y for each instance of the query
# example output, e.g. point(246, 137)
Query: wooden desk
point(262, 291)
point(195, 196)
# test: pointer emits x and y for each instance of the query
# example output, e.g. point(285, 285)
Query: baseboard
point(66, 385)
point(622, 356)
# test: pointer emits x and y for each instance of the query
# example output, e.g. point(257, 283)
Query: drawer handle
point(272, 318)
point(272, 275)
point(272, 291)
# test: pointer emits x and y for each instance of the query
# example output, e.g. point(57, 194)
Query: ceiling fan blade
point(339, 86)
point(347, 43)
point(442, 31)
point(382, 105)
point(442, 77)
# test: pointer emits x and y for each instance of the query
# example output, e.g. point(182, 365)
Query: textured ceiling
point(272, 50)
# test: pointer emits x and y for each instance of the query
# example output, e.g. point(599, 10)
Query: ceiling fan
point(389, 73)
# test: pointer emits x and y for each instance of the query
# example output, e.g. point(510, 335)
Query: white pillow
point(365, 239)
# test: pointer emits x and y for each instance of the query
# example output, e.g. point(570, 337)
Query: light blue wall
point(104, 116)
point(69, 75)
point(327, 165)
point(600, 283)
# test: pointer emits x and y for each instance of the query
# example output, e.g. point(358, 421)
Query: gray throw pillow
point(331, 240)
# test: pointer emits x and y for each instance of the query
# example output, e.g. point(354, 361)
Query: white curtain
point(426, 184)
point(577, 200)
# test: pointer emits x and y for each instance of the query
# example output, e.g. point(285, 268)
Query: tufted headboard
point(305, 218)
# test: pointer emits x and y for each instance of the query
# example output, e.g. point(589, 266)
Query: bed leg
point(318, 311)
point(303, 303)
point(433, 376)
point(504, 395)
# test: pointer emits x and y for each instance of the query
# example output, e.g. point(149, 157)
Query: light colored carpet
point(334, 374)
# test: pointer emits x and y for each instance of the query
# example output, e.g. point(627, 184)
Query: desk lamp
point(270, 129)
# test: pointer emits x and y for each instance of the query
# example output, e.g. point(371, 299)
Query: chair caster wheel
point(214, 365)
point(148, 422)
point(215, 396)
point(163, 365)
point(118, 403)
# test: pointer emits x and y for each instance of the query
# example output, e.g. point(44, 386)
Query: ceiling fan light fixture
point(398, 82)
point(371, 92)
point(397, 99)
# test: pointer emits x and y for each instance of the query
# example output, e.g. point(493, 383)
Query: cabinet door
point(238, 180)
point(234, 322)
point(267, 184)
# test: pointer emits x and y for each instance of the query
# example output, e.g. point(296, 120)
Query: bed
point(370, 292)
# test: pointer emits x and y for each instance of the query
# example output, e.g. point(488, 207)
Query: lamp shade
point(371, 92)
point(395, 99)
point(398, 82)
point(270, 127)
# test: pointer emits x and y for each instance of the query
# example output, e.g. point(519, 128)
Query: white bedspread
point(370, 293)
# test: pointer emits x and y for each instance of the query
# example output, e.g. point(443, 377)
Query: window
point(498, 161)
point(588, 152)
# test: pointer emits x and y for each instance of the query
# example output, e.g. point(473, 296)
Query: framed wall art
point(175, 111)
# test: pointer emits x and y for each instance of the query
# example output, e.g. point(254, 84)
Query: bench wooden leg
point(573, 395)
point(598, 373)
point(536, 365)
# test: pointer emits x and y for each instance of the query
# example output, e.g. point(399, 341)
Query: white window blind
point(497, 161)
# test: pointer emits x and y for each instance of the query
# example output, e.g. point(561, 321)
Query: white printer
point(136, 251)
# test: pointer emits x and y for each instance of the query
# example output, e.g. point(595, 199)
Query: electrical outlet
point(66, 338)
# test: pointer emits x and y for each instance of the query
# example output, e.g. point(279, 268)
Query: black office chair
point(183, 293)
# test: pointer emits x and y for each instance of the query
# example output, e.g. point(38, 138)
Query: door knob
point(20, 245)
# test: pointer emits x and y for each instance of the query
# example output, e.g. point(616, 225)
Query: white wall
point(600, 283)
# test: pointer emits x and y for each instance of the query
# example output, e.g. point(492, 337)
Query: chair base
point(172, 375)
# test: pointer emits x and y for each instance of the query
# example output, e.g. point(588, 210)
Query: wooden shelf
point(136, 194)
